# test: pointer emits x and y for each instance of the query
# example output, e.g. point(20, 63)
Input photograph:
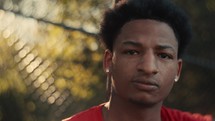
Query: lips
point(144, 85)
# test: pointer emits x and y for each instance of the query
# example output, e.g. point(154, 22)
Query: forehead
point(147, 30)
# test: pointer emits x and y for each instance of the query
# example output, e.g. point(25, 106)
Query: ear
point(179, 69)
point(107, 61)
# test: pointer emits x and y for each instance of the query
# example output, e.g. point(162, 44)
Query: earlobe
point(107, 70)
point(107, 61)
point(179, 70)
point(176, 78)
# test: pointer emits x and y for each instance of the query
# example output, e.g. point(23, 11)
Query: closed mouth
point(145, 85)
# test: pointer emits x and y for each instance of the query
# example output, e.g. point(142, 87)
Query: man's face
point(143, 63)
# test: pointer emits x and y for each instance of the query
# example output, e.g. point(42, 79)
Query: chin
point(145, 103)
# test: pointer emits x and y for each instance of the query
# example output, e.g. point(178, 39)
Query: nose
point(148, 64)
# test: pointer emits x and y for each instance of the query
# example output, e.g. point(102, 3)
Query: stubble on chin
point(143, 103)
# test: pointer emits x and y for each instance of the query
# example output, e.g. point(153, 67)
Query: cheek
point(168, 84)
point(169, 71)
point(122, 68)
point(167, 79)
point(122, 73)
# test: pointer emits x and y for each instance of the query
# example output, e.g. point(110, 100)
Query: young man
point(144, 41)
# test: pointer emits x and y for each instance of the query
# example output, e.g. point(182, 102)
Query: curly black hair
point(160, 10)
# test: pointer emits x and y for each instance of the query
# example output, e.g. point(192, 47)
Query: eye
point(165, 56)
point(131, 52)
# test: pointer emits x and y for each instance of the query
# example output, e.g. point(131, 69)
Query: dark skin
point(142, 67)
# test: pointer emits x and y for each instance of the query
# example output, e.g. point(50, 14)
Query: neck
point(118, 110)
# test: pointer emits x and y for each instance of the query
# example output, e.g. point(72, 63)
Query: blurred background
point(50, 59)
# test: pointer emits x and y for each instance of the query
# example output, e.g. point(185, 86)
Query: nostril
point(148, 67)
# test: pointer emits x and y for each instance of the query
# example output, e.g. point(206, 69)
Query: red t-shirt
point(167, 114)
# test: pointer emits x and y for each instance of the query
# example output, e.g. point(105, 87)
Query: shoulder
point(176, 115)
point(94, 113)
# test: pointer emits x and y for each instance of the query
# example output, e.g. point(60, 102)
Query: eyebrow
point(158, 47)
point(133, 43)
point(165, 47)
